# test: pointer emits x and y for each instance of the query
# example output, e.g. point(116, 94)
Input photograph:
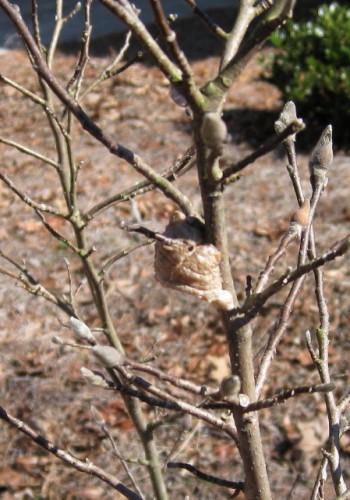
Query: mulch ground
point(41, 383)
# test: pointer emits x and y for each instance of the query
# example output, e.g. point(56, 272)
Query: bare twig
point(337, 250)
point(38, 100)
point(245, 16)
point(75, 82)
point(287, 238)
point(279, 398)
point(112, 68)
point(27, 200)
point(162, 399)
point(35, 23)
point(274, 17)
point(121, 254)
point(32, 285)
point(282, 396)
point(129, 17)
point(30, 152)
point(188, 85)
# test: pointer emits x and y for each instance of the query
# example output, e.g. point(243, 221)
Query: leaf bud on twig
point(287, 116)
point(108, 356)
point(230, 387)
point(321, 158)
point(81, 330)
point(213, 130)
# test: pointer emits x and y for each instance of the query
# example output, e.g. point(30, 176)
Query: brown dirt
point(41, 383)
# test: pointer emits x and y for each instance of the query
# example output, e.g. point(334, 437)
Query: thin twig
point(286, 239)
point(337, 250)
point(286, 394)
point(301, 272)
point(188, 85)
point(35, 23)
point(129, 17)
point(32, 285)
point(27, 200)
point(75, 82)
point(121, 254)
point(112, 68)
point(36, 99)
point(30, 152)
point(175, 403)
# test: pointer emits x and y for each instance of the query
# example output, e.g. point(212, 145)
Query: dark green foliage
point(312, 68)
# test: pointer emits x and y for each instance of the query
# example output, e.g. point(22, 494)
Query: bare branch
point(201, 390)
point(262, 150)
point(38, 100)
point(62, 239)
point(274, 17)
point(246, 14)
point(207, 21)
point(236, 485)
point(177, 169)
point(128, 16)
point(286, 394)
point(103, 424)
point(87, 466)
point(44, 72)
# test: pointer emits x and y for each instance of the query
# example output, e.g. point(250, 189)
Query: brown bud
point(301, 216)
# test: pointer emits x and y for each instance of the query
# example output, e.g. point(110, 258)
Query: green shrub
point(312, 68)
